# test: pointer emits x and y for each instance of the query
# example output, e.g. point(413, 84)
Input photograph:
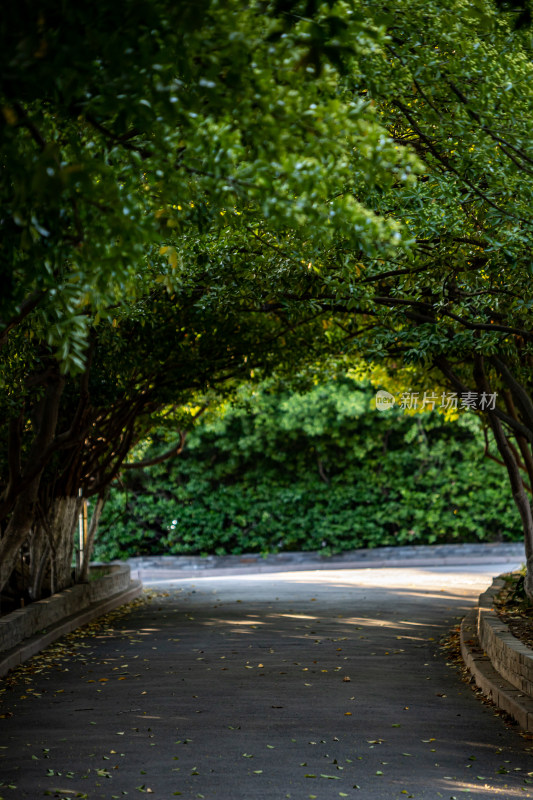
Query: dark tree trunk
point(89, 544)
point(17, 531)
point(40, 559)
point(510, 455)
point(23, 507)
point(63, 522)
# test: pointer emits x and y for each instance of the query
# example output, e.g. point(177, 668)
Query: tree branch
point(27, 123)
point(446, 163)
point(26, 308)
point(175, 450)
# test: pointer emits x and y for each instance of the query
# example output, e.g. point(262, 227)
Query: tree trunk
point(510, 457)
point(23, 516)
point(89, 544)
point(39, 558)
point(519, 496)
point(17, 531)
point(63, 521)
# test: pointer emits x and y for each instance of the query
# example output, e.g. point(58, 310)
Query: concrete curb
point(105, 580)
point(157, 568)
point(510, 657)
point(34, 644)
point(494, 686)
point(156, 575)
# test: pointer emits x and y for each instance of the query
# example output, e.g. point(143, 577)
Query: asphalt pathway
point(319, 684)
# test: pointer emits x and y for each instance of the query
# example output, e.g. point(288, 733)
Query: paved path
point(236, 688)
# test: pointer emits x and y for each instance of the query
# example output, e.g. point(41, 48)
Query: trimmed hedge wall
point(305, 471)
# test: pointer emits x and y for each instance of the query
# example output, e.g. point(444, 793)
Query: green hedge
point(320, 470)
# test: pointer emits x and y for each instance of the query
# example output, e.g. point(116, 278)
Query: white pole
point(79, 551)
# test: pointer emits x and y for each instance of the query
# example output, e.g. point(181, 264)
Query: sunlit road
point(319, 684)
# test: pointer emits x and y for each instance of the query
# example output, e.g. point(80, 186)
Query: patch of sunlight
point(465, 787)
point(379, 622)
point(236, 622)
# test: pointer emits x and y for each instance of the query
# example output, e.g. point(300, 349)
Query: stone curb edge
point(160, 574)
point(21, 624)
point(496, 688)
point(384, 556)
point(34, 644)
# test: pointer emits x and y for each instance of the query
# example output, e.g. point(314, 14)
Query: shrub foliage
point(315, 470)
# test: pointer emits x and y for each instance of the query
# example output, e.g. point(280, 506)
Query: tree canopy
point(145, 151)
point(150, 122)
point(459, 301)
point(194, 192)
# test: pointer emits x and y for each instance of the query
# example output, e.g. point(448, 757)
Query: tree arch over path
point(190, 197)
